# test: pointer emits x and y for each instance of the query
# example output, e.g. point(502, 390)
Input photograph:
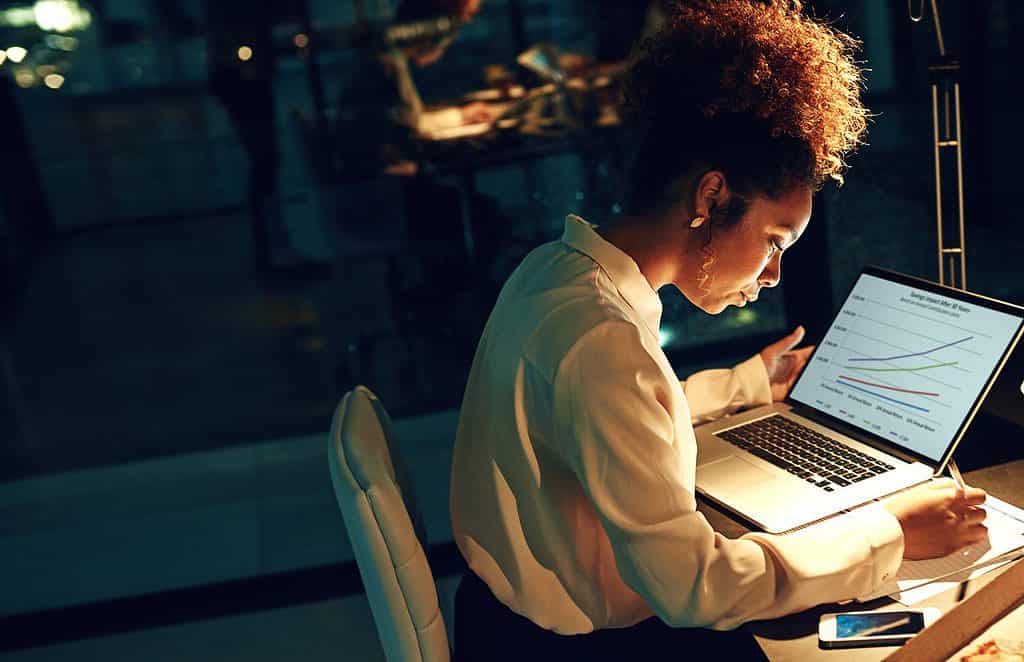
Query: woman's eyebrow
point(789, 233)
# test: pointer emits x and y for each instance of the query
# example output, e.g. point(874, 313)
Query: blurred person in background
point(377, 116)
point(428, 52)
point(380, 110)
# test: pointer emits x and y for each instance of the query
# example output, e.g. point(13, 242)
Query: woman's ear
point(711, 192)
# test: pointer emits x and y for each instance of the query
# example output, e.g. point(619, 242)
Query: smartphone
point(873, 628)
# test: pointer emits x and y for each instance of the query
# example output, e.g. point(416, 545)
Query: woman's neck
point(650, 242)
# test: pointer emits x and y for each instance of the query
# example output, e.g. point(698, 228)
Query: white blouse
point(572, 491)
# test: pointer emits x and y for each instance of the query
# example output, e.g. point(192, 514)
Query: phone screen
point(881, 624)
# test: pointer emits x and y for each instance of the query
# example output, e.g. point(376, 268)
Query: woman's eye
point(773, 247)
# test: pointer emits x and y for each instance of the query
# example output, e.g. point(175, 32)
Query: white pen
point(957, 478)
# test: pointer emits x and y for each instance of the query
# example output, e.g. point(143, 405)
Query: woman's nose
point(772, 273)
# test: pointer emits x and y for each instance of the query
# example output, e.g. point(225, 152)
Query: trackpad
point(731, 474)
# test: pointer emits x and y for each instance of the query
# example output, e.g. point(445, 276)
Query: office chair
point(386, 530)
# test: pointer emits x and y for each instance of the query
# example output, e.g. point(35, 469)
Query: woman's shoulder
point(560, 274)
point(556, 297)
point(560, 322)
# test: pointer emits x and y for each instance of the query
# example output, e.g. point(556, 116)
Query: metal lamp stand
point(944, 74)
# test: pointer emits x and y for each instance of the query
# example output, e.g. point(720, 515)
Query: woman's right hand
point(938, 518)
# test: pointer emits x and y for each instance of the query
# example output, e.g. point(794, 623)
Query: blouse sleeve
point(615, 430)
point(712, 394)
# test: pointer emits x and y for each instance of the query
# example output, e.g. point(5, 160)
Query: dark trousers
point(487, 630)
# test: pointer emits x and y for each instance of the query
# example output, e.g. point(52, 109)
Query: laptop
point(880, 406)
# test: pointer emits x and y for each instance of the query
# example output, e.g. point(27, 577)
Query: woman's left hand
point(783, 365)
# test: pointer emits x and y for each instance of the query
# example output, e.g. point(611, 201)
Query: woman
point(573, 475)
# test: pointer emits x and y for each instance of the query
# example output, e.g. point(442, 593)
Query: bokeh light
point(16, 54)
point(59, 42)
point(665, 336)
point(60, 15)
point(25, 78)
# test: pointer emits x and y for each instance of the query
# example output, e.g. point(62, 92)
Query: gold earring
point(697, 222)
point(706, 277)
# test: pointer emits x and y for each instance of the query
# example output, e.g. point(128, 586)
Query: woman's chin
point(711, 304)
point(715, 307)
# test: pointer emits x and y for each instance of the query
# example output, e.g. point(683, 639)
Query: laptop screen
point(907, 363)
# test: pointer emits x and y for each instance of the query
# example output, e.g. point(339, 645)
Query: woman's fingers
point(783, 345)
point(971, 496)
point(974, 496)
point(797, 359)
point(973, 515)
point(976, 533)
point(803, 353)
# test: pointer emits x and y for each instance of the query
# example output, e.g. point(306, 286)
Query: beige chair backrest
point(376, 501)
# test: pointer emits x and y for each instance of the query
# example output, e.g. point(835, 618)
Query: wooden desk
point(795, 637)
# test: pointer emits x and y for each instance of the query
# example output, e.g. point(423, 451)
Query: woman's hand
point(784, 365)
point(938, 518)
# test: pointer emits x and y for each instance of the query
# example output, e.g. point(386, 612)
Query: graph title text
point(936, 304)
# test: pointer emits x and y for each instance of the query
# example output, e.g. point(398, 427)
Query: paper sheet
point(912, 596)
point(1005, 534)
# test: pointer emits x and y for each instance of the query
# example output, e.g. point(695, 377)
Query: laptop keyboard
point(805, 453)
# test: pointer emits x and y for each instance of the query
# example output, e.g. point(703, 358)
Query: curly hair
point(754, 88)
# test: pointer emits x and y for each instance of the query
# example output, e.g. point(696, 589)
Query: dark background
point(134, 322)
point(169, 366)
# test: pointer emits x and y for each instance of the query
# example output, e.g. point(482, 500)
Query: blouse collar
point(620, 267)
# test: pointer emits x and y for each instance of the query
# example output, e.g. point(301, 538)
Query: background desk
point(795, 637)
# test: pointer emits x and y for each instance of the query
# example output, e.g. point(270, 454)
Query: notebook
point(1005, 524)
